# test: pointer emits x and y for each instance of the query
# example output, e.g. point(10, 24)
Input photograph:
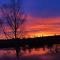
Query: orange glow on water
point(38, 51)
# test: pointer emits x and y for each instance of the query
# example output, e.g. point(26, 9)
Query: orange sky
point(37, 27)
point(42, 26)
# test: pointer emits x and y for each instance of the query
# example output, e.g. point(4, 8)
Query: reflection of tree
point(13, 18)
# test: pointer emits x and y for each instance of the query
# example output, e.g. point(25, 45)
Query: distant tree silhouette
point(13, 16)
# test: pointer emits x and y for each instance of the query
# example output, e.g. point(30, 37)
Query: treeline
point(30, 42)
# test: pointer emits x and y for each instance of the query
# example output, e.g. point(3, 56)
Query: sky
point(43, 17)
point(42, 8)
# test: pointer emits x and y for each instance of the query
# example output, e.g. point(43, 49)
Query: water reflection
point(44, 53)
point(33, 51)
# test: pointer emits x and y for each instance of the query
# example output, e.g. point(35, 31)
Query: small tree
point(12, 16)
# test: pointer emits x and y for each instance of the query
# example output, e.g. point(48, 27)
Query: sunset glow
point(29, 28)
point(38, 27)
point(42, 18)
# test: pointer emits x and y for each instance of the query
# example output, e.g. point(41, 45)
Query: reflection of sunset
point(36, 52)
point(25, 53)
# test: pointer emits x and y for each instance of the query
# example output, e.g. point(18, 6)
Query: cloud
point(37, 26)
point(45, 26)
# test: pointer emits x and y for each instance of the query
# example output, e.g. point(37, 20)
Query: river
point(32, 54)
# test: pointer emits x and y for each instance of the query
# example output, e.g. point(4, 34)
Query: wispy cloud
point(45, 26)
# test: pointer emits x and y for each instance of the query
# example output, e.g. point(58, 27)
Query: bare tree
point(13, 16)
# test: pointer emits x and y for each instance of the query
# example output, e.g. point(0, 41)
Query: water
point(32, 54)
point(33, 57)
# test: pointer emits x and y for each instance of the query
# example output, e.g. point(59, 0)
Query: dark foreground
point(34, 57)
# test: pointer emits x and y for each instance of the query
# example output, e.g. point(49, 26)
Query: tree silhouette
point(12, 17)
